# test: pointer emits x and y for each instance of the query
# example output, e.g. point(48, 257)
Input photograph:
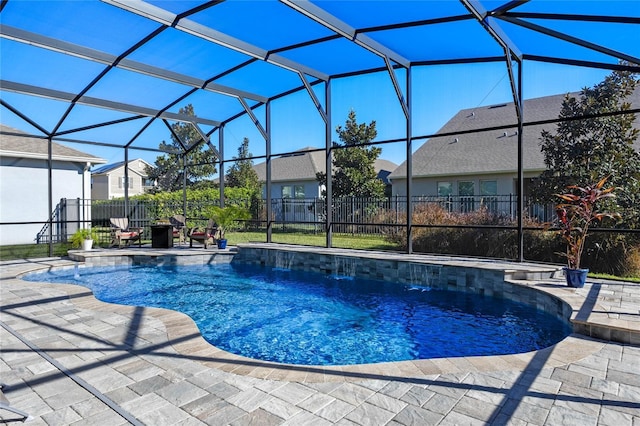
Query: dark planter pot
point(575, 277)
point(222, 244)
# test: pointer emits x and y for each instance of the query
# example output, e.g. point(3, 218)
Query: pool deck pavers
point(69, 359)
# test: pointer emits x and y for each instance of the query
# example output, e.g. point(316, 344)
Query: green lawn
point(30, 251)
point(366, 242)
point(613, 277)
point(359, 242)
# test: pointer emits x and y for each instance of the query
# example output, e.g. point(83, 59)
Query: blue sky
point(438, 91)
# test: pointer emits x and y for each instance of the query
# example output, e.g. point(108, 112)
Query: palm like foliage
point(577, 213)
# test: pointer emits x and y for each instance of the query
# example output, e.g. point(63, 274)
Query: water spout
point(284, 260)
point(344, 268)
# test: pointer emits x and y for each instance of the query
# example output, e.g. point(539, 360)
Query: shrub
point(617, 254)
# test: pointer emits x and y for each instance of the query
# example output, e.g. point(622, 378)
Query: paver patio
point(68, 358)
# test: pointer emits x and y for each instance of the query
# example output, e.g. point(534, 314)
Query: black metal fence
point(355, 215)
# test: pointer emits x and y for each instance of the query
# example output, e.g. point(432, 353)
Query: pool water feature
point(298, 317)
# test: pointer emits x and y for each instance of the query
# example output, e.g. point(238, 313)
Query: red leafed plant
point(577, 212)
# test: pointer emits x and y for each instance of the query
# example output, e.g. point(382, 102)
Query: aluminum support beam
point(409, 162)
point(324, 18)
point(101, 103)
point(221, 152)
point(206, 139)
point(571, 39)
point(268, 175)
point(511, 51)
point(328, 167)
point(394, 80)
point(253, 117)
point(175, 135)
point(520, 181)
point(126, 182)
point(313, 97)
point(22, 116)
point(50, 191)
point(169, 19)
point(93, 55)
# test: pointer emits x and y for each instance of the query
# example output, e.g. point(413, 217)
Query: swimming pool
point(307, 318)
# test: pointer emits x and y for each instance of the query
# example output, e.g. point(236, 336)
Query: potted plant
point(575, 214)
point(225, 218)
point(83, 238)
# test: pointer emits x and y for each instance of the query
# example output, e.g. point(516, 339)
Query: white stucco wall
point(24, 194)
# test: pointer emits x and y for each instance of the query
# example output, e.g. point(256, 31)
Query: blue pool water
point(312, 319)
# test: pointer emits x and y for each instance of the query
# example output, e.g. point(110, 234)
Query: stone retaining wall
point(488, 281)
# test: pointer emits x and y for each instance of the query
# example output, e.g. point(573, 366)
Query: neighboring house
point(108, 181)
point(24, 195)
point(480, 168)
point(293, 176)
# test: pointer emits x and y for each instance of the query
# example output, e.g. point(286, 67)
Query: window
point(147, 182)
point(465, 188)
point(489, 193)
point(466, 191)
point(488, 187)
point(121, 182)
point(445, 189)
point(292, 196)
point(292, 191)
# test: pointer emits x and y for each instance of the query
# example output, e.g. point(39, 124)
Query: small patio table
point(161, 236)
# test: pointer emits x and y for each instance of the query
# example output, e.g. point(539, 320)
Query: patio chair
point(6, 405)
point(206, 236)
point(122, 234)
point(179, 230)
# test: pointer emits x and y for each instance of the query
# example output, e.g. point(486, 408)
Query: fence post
point(81, 223)
point(395, 202)
point(61, 225)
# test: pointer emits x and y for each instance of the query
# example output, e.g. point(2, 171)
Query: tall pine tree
point(168, 170)
point(585, 150)
point(241, 174)
point(354, 173)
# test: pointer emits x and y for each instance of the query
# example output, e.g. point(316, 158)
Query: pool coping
point(186, 337)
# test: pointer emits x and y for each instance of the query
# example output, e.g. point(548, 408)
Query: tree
point(242, 181)
point(241, 174)
point(354, 174)
point(168, 170)
point(589, 149)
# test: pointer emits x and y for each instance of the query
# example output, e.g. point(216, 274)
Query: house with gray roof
point(472, 169)
point(24, 168)
point(109, 182)
point(293, 177)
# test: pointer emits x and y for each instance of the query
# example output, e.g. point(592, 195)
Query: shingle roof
point(304, 164)
point(13, 144)
point(113, 166)
point(493, 151)
point(107, 167)
point(301, 165)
